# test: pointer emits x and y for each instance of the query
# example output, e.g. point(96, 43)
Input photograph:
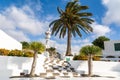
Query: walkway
point(59, 78)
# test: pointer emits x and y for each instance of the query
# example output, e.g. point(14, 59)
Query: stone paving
point(73, 78)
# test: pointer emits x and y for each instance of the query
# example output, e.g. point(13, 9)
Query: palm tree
point(71, 21)
point(36, 47)
point(90, 51)
point(52, 51)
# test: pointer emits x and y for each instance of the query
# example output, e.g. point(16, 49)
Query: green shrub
point(83, 58)
point(75, 57)
point(15, 53)
point(96, 58)
point(28, 54)
point(4, 52)
point(78, 57)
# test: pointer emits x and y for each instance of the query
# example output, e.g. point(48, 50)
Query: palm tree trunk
point(90, 65)
point(32, 72)
point(68, 51)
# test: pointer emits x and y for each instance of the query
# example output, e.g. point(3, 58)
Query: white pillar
point(48, 35)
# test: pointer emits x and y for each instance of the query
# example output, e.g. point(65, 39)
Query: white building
point(8, 42)
point(111, 50)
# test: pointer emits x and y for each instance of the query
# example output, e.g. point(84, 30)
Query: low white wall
point(99, 67)
point(12, 66)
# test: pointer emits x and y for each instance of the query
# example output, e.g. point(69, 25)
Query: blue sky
point(27, 20)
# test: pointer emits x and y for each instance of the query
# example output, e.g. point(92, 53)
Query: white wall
point(8, 42)
point(12, 66)
point(99, 67)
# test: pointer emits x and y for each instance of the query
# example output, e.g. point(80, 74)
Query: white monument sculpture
point(47, 37)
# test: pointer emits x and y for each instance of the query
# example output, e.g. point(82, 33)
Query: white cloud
point(28, 10)
point(100, 30)
point(75, 49)
point(79, 41)
point(19, 35)
point(113, 12)
point(21, 21)
point(25, 22)
point(79, 44)
point(5, 22)
point(36, 4)
point(51, 17)
point(105, 1)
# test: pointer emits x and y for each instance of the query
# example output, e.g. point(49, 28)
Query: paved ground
point(81, 78)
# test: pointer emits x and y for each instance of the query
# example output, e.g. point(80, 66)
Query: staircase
point(58, 68)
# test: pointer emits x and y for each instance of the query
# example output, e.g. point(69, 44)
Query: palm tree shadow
point(77, 64)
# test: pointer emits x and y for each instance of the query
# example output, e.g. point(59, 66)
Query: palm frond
point(85, 25)
point(58, 29)
point(70, 6)
point(53, 22)
point(64, 32)
point(78, 32)
point(83, 29)
point(84, 14)
point(61, 32)
point(73, 31)
point(60, 10)
point(83, 7)
point(56, 26)
point(88, 20)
